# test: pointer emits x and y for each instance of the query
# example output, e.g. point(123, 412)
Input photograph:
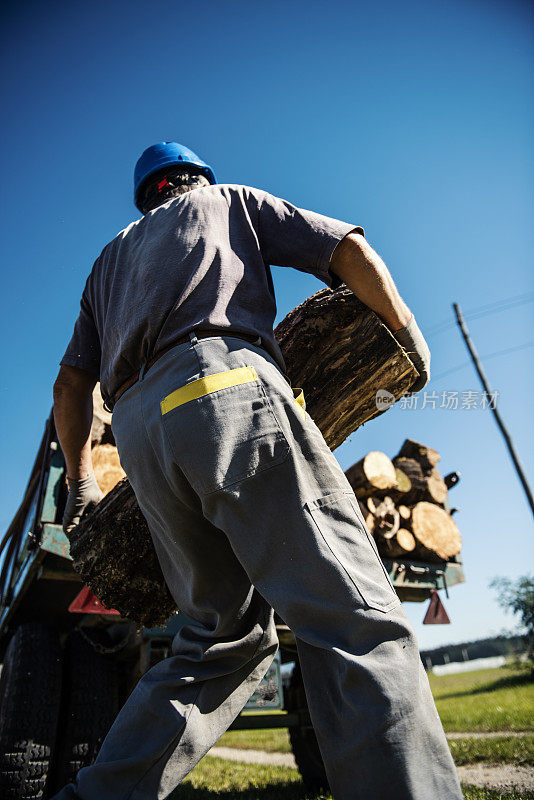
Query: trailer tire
point(30, 694)
point(90, 703)
point(303, 739)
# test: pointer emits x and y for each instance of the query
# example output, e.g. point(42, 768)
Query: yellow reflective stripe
point(207, 385)
point(299, 399)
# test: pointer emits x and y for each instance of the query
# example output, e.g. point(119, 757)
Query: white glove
point(83, 493)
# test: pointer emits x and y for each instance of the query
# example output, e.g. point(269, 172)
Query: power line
point(487, 357)
point(482, 311)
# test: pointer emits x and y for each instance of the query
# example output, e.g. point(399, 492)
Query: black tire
point(89, 705)
point(303, 739)
point(30, 694)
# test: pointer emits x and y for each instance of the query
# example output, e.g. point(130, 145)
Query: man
point(248, 508)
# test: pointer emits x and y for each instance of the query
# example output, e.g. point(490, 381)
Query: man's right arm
point(336, 252)
point(364, 273)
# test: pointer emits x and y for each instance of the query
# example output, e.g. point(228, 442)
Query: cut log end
point(435, 530)
point(373, 473)
point(107, 467)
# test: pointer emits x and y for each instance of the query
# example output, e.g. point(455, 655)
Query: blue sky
point(414, 120)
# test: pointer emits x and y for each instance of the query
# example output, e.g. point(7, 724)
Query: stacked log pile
point(403, 503)
point(106, 463)
point(335, 348)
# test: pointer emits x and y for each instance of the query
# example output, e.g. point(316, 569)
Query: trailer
point(68, 663)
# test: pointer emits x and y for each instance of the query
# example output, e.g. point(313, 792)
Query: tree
point(518, 597)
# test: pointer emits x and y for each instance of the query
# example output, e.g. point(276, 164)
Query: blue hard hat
point(165, 154)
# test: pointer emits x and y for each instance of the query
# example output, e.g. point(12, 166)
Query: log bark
point(426, 456)
point(112, 551)
point(339, 352)
point(402, 543)
point(430, 486)
point(418, 484)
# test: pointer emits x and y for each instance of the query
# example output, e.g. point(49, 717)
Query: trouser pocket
point(351, 545)
point(222, 429)
point(298, 395)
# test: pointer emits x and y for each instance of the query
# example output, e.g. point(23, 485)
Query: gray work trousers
point(250, 511)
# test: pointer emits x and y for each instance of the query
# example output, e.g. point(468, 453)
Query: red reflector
point(87, 603)
point(162, 183)
point(435, 613)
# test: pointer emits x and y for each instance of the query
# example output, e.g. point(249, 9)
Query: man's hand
point(73, 414)
point(84, 493)
point(411, 338)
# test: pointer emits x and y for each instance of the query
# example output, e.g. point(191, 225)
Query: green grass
point(487, 700)
point(226, 780)
point(501, 750)
point(498, 699)
point(504, 750)
point(274, 740)
point(215, 779)
point(473, 793)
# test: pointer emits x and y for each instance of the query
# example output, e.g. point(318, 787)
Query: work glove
point(412, 340)
point(84, 493)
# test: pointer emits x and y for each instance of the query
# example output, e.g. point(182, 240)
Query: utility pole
point(484, 381)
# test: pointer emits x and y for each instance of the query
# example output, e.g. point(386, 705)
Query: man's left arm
point(73, 415)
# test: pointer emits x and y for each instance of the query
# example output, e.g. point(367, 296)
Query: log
point(339, 352)
point(383, 520)
point(404, 511)
point(405, 540)
point(113, 553)
point(387, 524)
point(372, 502)
point(436, 533)
point(412, 469)
point(404, 483)
point(426, 456)
point(429, 487)
point(107, 466)
point(374, 472)
point(363, 507)
point(101, 427)
point(370, 522)
point(437, 488)
point(400, 544)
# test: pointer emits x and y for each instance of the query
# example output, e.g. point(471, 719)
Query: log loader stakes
point(97, 611)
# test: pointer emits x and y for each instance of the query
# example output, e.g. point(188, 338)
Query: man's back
point(199, 260)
